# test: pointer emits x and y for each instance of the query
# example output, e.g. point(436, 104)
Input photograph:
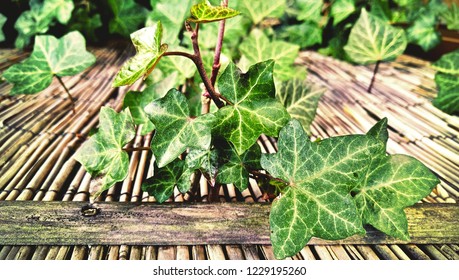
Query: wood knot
point(89, 210)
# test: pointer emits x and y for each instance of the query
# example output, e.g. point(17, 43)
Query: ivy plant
point(447, 79)
point(329, 188)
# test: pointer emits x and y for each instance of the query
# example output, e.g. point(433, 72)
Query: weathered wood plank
point(62, 223)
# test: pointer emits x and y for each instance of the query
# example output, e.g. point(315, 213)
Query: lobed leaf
point(103, 154)
point(301, 100)
point(447, 98)
point(341, 10)
point(253, 109)
point(373, 40)
point(257, 11)
point(451, 17)
point(147, 42)
point(309, 10)
point(305, 34)
point(175, 130)
point(448, 63)
point(127, 16)
point(423, 32)
point(205, 12)
point(66, 56)
point(62, 9)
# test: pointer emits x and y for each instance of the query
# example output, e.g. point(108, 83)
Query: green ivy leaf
point(373, 40)
point(306, 34)
point(66, 56)
point(379, 131)
point(447, 98)
point(320, 175)
point(175, 130)
point(235, 168)
point(162, 184)
point(205, 12)
point(448, 63)
point(127, 16)
point(2, 22)
point(103, 153)
point(34, 21)
point(147, 42)
point(309, 10)
point(254, 109)
point(423, 31)
point(85, 23)
point(451, 17)
point(341, 10)
point(301, 100)
point(391, 184)
point(257, 48)
point(172, 14)
point(257, 11)
point(204, 160)
point(62, 9)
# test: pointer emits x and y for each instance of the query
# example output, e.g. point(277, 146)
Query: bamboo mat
point(39, 134)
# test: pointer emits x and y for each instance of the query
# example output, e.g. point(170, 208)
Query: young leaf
point(451, 17)
point(373, 40)
point(175, 130)
point(205, 12)
point(147, 42)
point(448, 63)
point(257, 48)
point(253, 110)
point(342, 9)
point(2, 22)
point(235, 168)
point(320, 175)
point(103, 153)
point(301, 100)
point(309, 10)
point(447, 98)
point(62, 9)
point(127, 16)
point(172, 14)
point(162, 184)
point(66, 56)
point(423, 31)
point(257, 11)
point(391, 184)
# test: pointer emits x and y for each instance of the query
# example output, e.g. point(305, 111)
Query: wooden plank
point(115, 223)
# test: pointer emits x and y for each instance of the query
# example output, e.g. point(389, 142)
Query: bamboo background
point(39, 134)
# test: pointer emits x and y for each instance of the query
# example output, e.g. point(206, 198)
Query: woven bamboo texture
point(39, 135)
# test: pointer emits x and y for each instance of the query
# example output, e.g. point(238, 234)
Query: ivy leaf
point(182, 66)
point(147, 42)
point(127, 16)
point(448, 63)
point(253, 110)
point(162, 184)
point(257, 11)
point(205, 12)
point(175, 130)
point(85, 23)
point(423, 31)
point(257, 48)
point(235, 168)
point(306, 34)
point(204, 160)
point(320, 175)
point(310, 10)
point(62, 9)
point(66, 56)
point(451, 17)
point(447, 98)
point(103, 153)
point(34, 21)
point(373, 40)
point(391, 184)
point(341, 10)
point(172, 14)
point(2, 22)
point(301, 100)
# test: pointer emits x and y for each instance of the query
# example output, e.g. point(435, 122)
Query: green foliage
point(147, 42)
point(306, 34)
point(2, 22)
point(51, 57)
point(447, 79)
point(448, 63)
point(128, 15)
point(423, 31)
point(301, 100)
point(86, 23)
point(309, 10)
point(341, 9)
point(205, 12)
point(175, 130)
point(373, 40)
point(451, 17)
point(103, 153)
point(323, 175)
point(257, 11)
point(253, 109)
